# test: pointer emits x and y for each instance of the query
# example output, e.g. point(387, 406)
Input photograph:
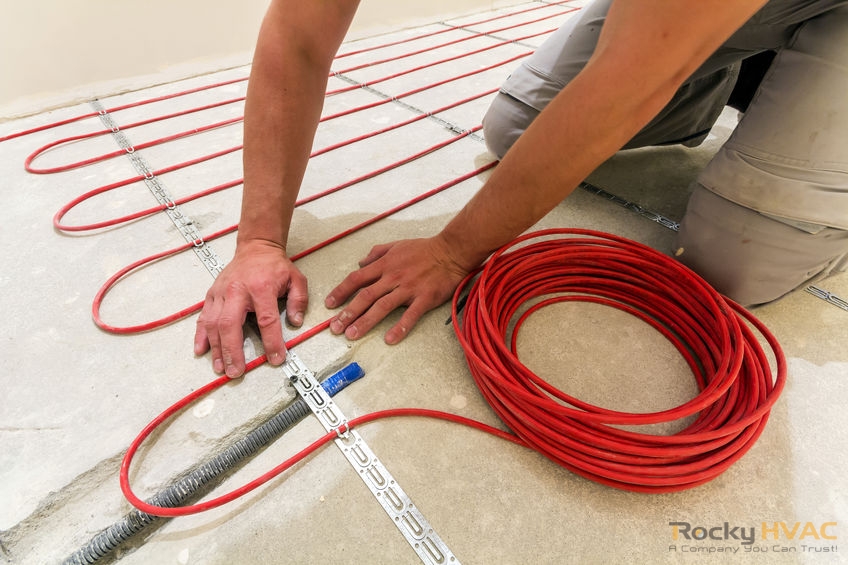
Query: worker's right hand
point(258, 275)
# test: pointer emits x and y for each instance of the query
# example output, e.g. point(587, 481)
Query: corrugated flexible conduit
point(203, 478)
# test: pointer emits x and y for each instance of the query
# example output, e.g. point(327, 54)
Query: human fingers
point(407, 321)
point(201, 339)
point(351, 283)
point(230, 321)
point(370, 305)
point(297, 298)
point(376, 252)
point(270, 329)
point(206, 337)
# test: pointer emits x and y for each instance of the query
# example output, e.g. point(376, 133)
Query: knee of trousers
point(504, 122)
point(751, 258)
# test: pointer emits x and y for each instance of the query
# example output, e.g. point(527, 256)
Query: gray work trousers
point(769, 213)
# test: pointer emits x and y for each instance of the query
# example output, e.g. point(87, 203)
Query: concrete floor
point(75, 396)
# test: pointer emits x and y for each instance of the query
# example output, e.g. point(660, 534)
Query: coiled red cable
point(712, 333)
point(732, 370)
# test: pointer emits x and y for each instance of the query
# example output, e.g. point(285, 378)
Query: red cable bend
point(28, 163)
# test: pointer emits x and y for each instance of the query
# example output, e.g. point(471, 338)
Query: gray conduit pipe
point(201, 480)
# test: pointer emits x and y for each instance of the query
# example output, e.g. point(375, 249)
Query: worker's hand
point(417, 273)
point(258, 275)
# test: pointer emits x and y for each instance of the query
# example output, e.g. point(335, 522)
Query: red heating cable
point(33, 156)
point(113, 280)
point(178, 94)
point(60, 214)
point(404, 72)
point(28, 163)
point(119, 108)
point(711, 333)
point(730, 366)
point(475, 35)
point(736, 382)
point(451, 28)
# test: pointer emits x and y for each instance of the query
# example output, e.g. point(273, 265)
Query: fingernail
point(352, 332)
point(218, 366)
point(336, 326)
point(232, 372)
point(276, 359)
point(330, 302)
point(394, 336)
point(297, 318)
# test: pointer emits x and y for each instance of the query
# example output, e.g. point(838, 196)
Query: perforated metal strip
point(433, 117)
point(213, 263)
point(403, 513)
point(828, 297)
point(632, 206)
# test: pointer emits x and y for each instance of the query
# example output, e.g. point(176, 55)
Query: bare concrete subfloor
point(75, 396)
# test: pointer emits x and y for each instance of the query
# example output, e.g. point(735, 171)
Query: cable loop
point(737, 389)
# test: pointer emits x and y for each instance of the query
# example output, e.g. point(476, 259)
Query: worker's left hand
point(417, 273)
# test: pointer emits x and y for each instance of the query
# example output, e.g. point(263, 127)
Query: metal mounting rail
point(213, 263)
point(397, 504)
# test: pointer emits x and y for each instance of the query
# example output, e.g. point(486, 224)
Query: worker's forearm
point(285, 96)
point(571, 138)
point(278, 128)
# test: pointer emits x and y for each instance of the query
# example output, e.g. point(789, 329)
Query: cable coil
point(737, 389)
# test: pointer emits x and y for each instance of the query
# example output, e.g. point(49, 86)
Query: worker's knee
point(505, 121)
point(752, 258)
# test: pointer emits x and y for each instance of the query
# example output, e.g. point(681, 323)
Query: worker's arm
point(297, 42)
point(646, 50)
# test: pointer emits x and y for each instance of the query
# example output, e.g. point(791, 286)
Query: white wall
point(58, 52)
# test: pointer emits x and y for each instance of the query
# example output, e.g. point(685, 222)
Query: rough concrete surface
point(75, 396)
